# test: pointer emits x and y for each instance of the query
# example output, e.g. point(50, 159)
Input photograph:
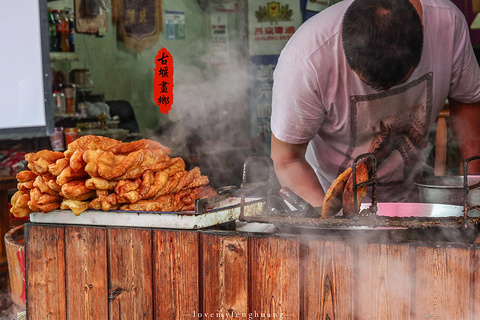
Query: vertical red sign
point(163, 81)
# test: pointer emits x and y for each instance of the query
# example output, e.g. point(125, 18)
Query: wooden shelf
point(63, 56)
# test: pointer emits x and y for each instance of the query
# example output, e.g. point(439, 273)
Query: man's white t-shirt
point(318, 98)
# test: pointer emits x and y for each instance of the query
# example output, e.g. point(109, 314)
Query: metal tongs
point(223, 193)
point(301, 208)
point(467, 188)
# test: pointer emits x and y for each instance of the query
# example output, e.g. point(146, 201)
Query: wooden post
point(131, 273)
point(274, 277)
point(176, 273)
point(45, 265)
point(86, 267)
point(328, 273)
point(225, 275)
point(382, 283)
point(443, 280)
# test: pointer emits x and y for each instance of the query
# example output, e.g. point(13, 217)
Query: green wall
point(120, 73)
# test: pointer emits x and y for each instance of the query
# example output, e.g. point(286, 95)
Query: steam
point(210, 114)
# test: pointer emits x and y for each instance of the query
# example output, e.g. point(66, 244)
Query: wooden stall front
point(82, 272)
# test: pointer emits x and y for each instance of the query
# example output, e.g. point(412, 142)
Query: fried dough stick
point(39, 161)
point(143, 144)
point(348, 200)
point(97, 183)
point(131, 166)
point(68, 174)
point(181, 201)
point(19, 203)
point(91, 159)
point(57, 167)
point(77, 190)
point(332, 202)
point(26, 175)
point(90, 142)
point(77, 206)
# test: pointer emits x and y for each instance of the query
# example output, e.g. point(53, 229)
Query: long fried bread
point(332, 202)
point(348, 200)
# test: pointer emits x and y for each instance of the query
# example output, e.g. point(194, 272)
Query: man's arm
point(294, 172)
point(466, 127)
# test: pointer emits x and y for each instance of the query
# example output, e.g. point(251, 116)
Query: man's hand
point(466, 127)
point(294, 172)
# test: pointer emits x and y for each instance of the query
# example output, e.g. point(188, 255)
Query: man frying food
point(371, 76)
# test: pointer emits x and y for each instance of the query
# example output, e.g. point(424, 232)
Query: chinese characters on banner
point(139, 23)
point(271, 24)
point(163, 81)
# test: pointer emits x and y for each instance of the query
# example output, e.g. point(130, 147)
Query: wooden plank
point(225, 275)
point(383, 282)
point(475, 267)
point(45, 269)
point(130, 261)
point(86, 262)
point(175, 274)
point(274, 278)
point(442, 283)
point(327, 273)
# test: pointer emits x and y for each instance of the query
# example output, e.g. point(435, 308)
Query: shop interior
point(103, 85)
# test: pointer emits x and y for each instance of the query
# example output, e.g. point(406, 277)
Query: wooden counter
point(76, 272)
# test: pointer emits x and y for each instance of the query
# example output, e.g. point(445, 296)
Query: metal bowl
point(448, 190)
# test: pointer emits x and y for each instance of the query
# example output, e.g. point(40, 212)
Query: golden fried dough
point(43, 186)
point(39, 161)
point(19, 203)
point(25, 186)
point(37, 197)
point(91, 142)
point(131, 166)
point(169, 202)
point(332, 202)
point(15, 200)
point(77, 206)
point(77, 190)
point(45, 208)
point(68, 174)
point(348, 200)
point(26, 175)
point(143, 144)
point(20, 212)
point(97, 183)
point(103, 174)
point(76, 160)
point(57, 167)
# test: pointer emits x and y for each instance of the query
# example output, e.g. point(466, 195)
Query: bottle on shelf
point(58, 30)
point(64, 31)
point(51, 31)
point(71, 28)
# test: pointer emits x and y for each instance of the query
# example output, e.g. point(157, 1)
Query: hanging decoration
point(139, 23)
point(163, 81)
point(90, 17)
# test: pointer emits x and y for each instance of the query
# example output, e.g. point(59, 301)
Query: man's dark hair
point(382, 40)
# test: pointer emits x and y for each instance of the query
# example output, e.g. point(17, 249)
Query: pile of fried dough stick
point(101, 173)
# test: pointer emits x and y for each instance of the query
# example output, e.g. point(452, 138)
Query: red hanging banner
point(163, 81)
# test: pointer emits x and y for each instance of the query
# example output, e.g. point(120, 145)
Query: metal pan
point(418, 210)
point(397, 222)
point(448, 190)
